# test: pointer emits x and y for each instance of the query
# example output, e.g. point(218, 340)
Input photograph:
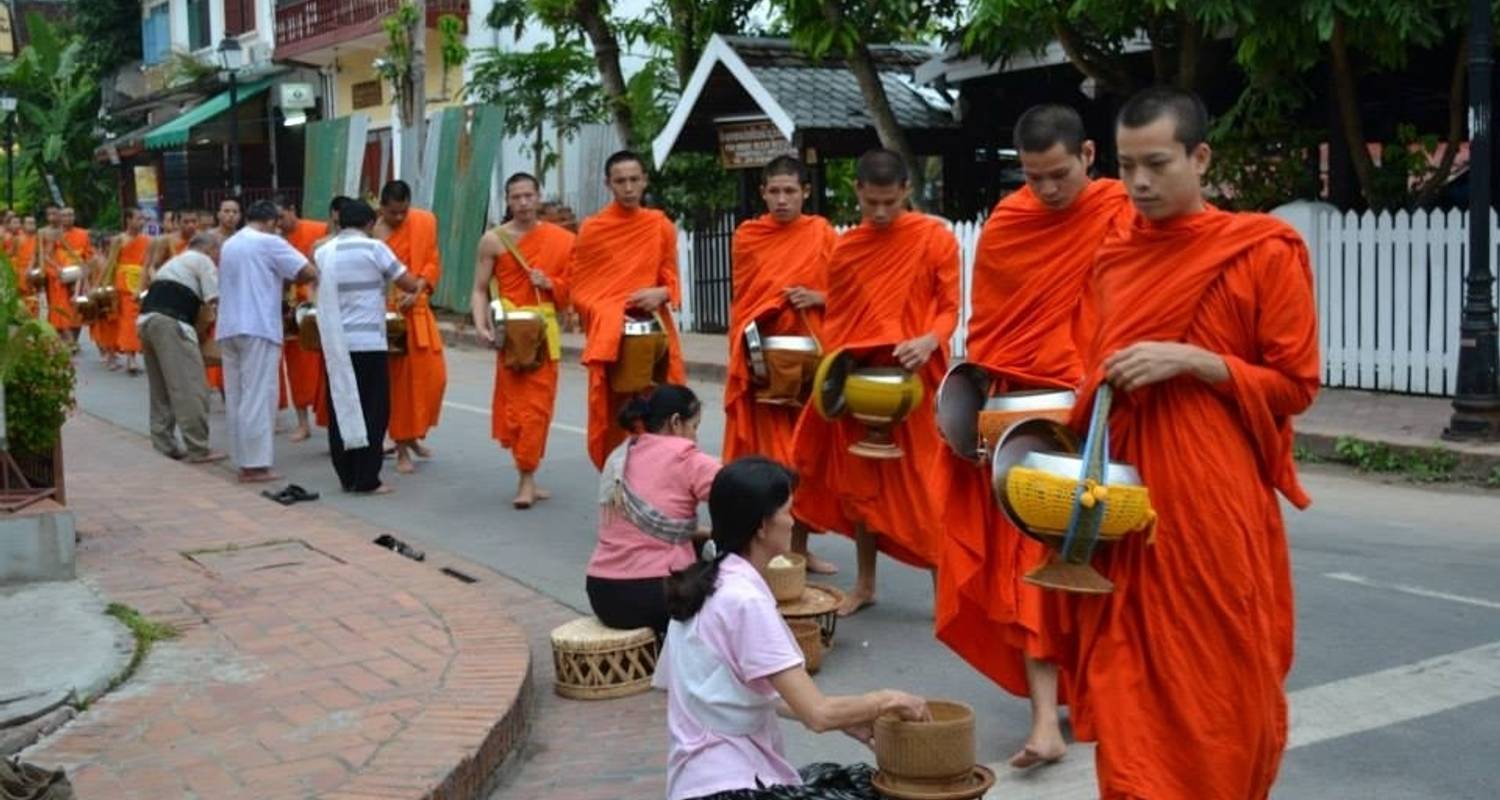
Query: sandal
point(299, 494)
point(283, 496)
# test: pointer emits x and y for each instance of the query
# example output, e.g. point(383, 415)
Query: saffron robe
point(617, 253)
point(79, 251)
point(129, 277)
point(1030, 269)
point(769, 257)
point(304, 368)
point(23, 258)
point(1180, 670)
point(886, 286)
point(419, 378)
point(522, 402)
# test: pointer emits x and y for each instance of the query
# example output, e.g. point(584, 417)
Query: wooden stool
point(593, 662)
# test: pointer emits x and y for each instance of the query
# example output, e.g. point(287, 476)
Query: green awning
point(175, 132)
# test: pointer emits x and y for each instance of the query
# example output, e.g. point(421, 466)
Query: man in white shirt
point(169, 345)
point(254, 264)
point(355, 271)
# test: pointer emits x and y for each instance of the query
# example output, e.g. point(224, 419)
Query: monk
point(892, 300)
point(304, 368)
point(527, 260)
point(72, 247)
point(188, 226)
point(24, 247)
point(624, 264)
point(1033, 260)
point(780, 268)
point(419, 378)
point(1207, 332)
point(127, 273)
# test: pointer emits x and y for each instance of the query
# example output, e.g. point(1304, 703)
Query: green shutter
point(461, 180)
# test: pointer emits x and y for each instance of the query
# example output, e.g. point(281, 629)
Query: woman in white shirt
point(730, 664)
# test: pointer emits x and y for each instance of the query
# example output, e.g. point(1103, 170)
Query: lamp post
point(232, 56)
point(1476, 404)
point(8, 106)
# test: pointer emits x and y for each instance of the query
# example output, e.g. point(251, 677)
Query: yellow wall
point(357, 66)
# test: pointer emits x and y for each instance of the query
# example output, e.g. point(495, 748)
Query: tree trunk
point(1189, 50)
point(414, 101)
point(684, 49)
point(1347, 99)
point(891, 135)
point(607, 55)
point(1109, 75)
point(1457, 106)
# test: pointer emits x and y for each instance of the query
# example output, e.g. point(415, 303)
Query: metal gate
point(713, 280)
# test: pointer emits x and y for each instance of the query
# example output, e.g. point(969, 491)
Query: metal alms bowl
point(1070, 466)
point(883, 395)
point(70, 275)
point(795, 344)
point(1020, 440)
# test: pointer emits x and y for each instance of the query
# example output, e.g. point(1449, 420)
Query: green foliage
point(396, 66)
point(1423, 465)
point(36, 368)
point(843, 206)
point(549, 87)
point(1493, 480)
point(1261, 159)
point(146, 633)
point(113, 30)
point(451, 46)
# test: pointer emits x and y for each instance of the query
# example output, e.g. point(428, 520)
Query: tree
point(405, 68)
point(550, 86)
point(58, 108)
point(847, 27)
point(454, 51)
point(113, 30)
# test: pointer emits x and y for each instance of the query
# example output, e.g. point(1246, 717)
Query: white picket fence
point(1389, 292)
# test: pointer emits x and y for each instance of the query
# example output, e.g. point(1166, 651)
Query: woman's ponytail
point(649, 413)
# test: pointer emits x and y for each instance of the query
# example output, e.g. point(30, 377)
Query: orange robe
point(769, 257)
point(619, 252)
point(418, 378)
point(23, 257)
point(59, 295)
point(886, 286)
point(1031, 266)
point(128, 277)
point(304, 368)
point(522, 403)
point(1180, 671)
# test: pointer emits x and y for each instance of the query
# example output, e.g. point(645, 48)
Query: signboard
point(751, 145)
point(366, 94)
point(7, 33)
point(148, 197)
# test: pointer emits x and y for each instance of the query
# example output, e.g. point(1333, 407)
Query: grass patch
point(1422, 465)
point(1493, 481)
point(146, 633)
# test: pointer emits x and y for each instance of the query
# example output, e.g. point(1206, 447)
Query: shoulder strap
point(515, 252)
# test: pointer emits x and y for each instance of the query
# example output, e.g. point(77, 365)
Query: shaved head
point(881, 167)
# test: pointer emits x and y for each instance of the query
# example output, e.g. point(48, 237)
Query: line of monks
point(1202, 320)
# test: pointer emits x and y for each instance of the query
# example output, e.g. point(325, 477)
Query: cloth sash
point(341, 384)
point(714, 697)
point(546, 308)
point(616, 497)
point(173, 299)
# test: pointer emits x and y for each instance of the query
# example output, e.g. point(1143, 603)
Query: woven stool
point(593, 662)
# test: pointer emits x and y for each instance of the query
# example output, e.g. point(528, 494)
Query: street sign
point(751, 145)
point(7, 33)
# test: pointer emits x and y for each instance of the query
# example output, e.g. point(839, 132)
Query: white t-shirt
point(362, 267)
point(252, 269)
point(193, 270)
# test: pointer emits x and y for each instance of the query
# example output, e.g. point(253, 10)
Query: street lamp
point(8, 106)
point(232, 56)
point(1476, 404)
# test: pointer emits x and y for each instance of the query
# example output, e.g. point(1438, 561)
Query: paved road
point(1396, 690)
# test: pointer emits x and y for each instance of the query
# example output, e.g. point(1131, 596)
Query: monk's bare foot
point(262, 475)
point(302, 434)
point(420, 450)
point(819, 566)
point(1038, 753)
point(542, 494)
point(404, 465)
point(524, 500)
point(855, 601)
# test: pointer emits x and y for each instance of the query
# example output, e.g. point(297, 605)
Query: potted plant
point(36, 393)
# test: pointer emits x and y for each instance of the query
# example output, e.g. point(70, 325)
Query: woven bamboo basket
point(1045, 501)
point(787, 582)
point(810, 638)
point(593, 662)
point(936, 751)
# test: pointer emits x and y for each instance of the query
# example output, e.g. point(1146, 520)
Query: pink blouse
point(671, 474)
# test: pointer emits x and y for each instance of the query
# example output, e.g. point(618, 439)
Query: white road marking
point(486, 412)
point(1412, 590)
point(1332, 710)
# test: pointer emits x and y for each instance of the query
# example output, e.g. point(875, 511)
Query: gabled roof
point(797, 92)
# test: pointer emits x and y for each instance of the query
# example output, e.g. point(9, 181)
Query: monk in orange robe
point(24, 246)
point(523, 400)
point(1208, 334)
point(304, 368)
point(127, 273)
point(72, 247)
point(892, 300)
point(1032, 264)
point(419, 378)
point(624, 264)
point(780, 268)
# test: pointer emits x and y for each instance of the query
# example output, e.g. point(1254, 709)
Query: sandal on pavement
point(283, 497)
point(299, 494)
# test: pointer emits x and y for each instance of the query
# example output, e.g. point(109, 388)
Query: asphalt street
point(1396, 688)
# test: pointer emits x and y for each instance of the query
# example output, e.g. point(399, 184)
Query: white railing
point(1389, 292)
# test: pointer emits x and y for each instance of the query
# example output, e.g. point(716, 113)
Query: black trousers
point(821, 781)
point(359, 469)
point(628, 604)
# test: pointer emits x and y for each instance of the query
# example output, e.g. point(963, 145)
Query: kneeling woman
point(730, 664)
point(648, 495)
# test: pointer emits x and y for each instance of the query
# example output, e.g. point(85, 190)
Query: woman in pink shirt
point(731, 666)
point(649, 493)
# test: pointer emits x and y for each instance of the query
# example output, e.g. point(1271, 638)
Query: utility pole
point(1476, 405)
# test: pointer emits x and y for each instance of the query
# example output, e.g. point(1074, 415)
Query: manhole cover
point(241, 560)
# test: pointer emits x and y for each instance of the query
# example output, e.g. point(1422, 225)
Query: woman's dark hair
point(744, 495)
point(650, 413)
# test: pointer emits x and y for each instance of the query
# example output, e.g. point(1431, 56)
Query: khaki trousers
point(179, 390)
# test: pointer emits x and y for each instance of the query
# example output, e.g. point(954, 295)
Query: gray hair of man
point(204, 241)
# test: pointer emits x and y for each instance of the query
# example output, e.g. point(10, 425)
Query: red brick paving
point(311, 663)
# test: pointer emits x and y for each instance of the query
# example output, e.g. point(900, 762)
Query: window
point(200, 35)
point(156, 34)
point(239, 16)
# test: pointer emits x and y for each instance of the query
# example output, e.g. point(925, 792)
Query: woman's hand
point(905, 706)
point(863, 732)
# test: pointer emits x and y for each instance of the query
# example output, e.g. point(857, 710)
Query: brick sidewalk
point(311, 663)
